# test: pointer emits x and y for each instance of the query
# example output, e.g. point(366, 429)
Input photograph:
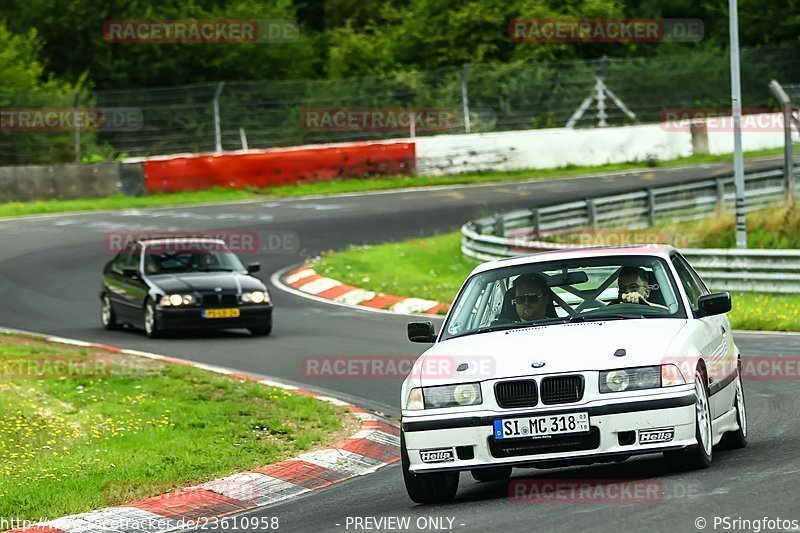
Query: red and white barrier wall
point(449, 154)
point(280, 166)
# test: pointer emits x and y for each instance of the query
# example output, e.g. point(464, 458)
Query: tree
point(23, 85)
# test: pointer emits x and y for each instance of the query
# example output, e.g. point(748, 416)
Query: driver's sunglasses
point(530, 298)
point(633, 287)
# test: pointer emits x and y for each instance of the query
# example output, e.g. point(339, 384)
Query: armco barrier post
point(720, 193)
point(591, 213)
point(535, 220)
point(788, 160)
point(651, 207)
point(499, 225)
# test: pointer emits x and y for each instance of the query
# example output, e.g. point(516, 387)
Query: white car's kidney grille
point(562, 389)
point(521, 393)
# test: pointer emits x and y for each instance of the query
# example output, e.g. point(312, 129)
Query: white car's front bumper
point(615, 433)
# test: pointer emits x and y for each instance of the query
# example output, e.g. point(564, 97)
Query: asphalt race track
point(50, 277)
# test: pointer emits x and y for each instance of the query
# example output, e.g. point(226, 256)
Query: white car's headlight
point(255, 297)
point(175, 300)
point(414, 400)
point(452, 395)
point(626, 379)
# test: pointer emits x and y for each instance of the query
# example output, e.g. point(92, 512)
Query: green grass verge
point(434, 268)
point(116, 428)
point(777, 227)
point(349, 185)
point(766, 312)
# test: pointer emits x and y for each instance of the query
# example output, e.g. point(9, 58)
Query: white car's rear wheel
point(437, 487)
point(701, 455)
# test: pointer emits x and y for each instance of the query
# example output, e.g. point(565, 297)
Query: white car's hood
point(562, 348)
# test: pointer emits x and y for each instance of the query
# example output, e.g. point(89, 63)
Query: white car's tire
point(735, 440)
point(701, 455)
point(437, 487)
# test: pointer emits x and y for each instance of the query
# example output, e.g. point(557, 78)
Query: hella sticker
point(652, 436)
point(441, 455)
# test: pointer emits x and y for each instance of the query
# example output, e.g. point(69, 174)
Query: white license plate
point(541, 426)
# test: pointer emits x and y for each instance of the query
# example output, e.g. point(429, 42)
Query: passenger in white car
point(533, 299)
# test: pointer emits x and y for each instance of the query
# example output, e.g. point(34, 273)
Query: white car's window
point(497, 291)
point(691, 285)
point(625, 287)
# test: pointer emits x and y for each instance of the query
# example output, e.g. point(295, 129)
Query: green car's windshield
point(160, 260)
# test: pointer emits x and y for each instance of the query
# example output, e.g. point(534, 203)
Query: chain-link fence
point(471, 98)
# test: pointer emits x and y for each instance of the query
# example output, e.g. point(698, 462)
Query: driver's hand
point(633, 298)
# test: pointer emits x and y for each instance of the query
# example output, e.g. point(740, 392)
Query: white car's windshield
point(604, 288)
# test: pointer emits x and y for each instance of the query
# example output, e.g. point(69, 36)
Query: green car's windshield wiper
point(595, 318)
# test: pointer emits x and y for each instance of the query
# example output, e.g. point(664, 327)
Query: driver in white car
point(634, 287)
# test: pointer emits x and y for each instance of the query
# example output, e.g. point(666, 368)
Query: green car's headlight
point(255, 297)
point(177, 299)
point(452, 395)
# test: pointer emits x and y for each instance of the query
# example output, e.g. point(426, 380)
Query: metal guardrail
point(524, 231)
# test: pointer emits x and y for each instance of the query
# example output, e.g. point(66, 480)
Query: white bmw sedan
point(572, 357)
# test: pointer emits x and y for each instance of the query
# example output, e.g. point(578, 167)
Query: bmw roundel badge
point(538, 364)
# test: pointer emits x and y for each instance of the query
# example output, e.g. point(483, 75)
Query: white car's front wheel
point(436, 487)
point(701, 455)
point(737, 439)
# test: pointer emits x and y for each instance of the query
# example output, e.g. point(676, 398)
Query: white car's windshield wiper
point(595, 318)
point(512, 325)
